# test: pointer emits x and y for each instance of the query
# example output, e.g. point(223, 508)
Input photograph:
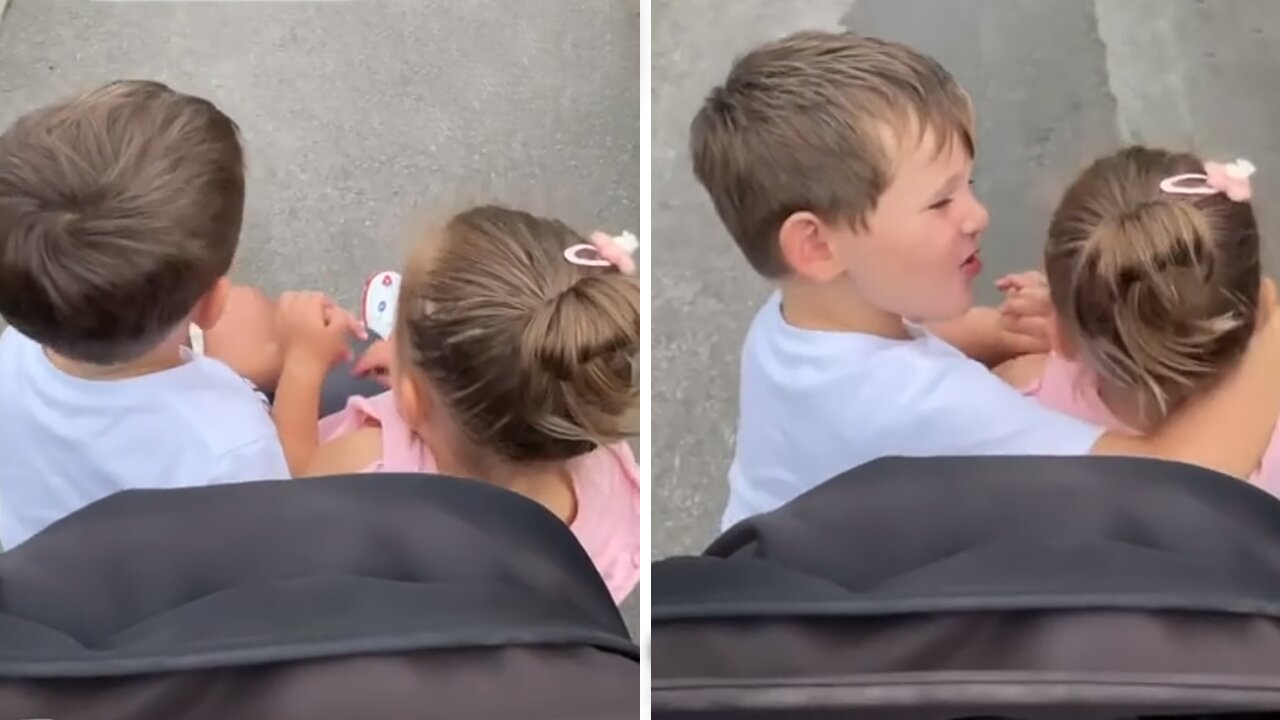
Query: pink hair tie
point(1230, 179)
point(605, 251)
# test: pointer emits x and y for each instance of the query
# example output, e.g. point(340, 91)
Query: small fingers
point(1031, 327)
point(336, 315)
point(1021, 280)
point(375, 358)
point(1025, 304)
point(375, 364)
point(364, 365)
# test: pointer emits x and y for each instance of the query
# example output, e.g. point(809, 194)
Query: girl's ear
point(1060, 341)
point(414, 400)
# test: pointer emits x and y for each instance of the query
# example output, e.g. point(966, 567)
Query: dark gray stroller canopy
point(939, 588)
point(378, 596)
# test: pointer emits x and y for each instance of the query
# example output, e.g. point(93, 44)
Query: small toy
point(379, 304)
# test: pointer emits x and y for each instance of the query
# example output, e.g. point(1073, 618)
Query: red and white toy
point(380, 295)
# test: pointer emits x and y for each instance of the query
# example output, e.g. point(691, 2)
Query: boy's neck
point(165, 356)
point(836, 307)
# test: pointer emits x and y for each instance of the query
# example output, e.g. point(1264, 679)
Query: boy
point(120, 213)
point(841, 167)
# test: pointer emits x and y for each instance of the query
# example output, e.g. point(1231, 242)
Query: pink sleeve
point(608, 523)
point(402, 451)
point(630, 468)
point(358, 412)
point(1268, 477)
point(624, 572)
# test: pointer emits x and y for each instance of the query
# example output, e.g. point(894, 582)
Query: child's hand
point(1026, 312)
point(376, 362)
point(314, 331)
point(246, 337)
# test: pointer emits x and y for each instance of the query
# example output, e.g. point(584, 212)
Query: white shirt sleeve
point(262, 459)
point(966, 410)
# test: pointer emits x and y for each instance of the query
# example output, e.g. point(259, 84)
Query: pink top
point(606, 481)
point(1067, 387)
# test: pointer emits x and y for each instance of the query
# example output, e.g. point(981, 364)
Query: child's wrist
point(305, 365)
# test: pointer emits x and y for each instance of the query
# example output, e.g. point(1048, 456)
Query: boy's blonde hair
point(816, 121)
point(119, 209)
point(535, 357)
point(1159, 291)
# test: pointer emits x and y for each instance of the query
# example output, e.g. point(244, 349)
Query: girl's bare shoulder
point(1023, 371)
point(351, 453)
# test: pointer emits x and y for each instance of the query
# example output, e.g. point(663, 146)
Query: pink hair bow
point(1230, 179)
point(607, 250)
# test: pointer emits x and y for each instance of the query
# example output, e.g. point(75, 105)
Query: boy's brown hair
point(1157, 291)
point(815, 122)
point(535, 357)
point(119, 209)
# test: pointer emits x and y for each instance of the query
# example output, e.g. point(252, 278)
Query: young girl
point(514, 360)
point(1155, 277)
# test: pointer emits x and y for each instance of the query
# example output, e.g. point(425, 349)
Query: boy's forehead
point(929, 153)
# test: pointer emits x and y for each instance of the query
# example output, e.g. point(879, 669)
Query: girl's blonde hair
point(1159, 291)
point(536, 358)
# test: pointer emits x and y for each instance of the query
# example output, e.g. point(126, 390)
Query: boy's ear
point(209, 309)
point(807, 247)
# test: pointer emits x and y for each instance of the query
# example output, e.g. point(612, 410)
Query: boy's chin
point(953, 309)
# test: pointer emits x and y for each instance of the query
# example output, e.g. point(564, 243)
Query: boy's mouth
point(972, 265)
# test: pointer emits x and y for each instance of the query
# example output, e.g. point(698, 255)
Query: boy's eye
point(940, 204)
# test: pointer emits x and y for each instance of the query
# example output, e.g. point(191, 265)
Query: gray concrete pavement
point(360, 116)
point(1055, 82)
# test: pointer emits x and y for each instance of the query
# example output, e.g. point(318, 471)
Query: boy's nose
point(976, 219)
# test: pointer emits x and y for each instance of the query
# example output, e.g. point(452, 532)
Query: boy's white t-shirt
point(66, 441)
point(815, 404)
